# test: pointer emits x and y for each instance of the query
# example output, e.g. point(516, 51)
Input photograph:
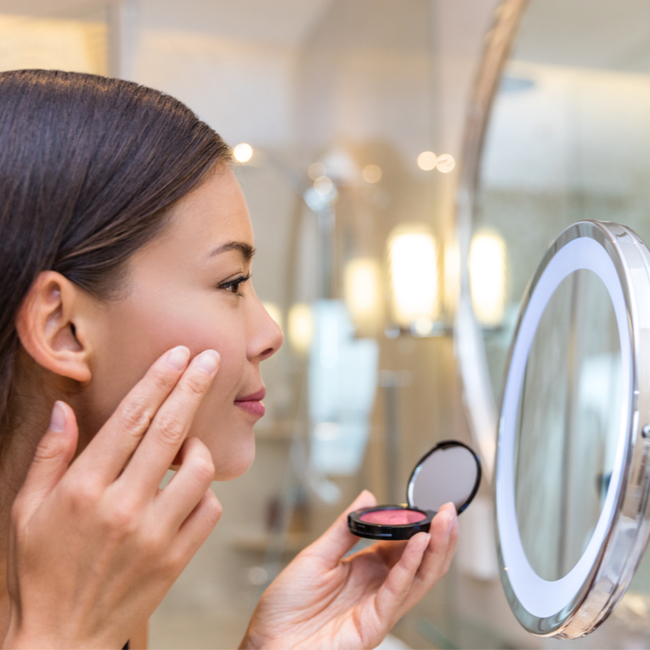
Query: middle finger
point(170, 426)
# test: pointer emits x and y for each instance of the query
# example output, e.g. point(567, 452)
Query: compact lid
point(451, 471)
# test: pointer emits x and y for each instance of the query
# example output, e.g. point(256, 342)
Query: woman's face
point(189, 287)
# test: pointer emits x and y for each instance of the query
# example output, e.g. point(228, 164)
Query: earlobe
point(47, 329)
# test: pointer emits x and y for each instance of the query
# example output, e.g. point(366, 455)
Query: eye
point(233, 286)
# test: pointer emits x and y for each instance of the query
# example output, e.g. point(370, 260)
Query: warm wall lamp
point(487, 274)
point(415, 292)
point(363, 294)
point(300, 326)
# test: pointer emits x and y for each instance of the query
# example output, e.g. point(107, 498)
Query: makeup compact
point(450, 471)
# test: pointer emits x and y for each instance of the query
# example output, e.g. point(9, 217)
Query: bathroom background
point(354, 112)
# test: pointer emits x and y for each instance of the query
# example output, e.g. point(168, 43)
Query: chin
point(236, 465)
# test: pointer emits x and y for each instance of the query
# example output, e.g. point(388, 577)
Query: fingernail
point(178, 357)
point(424, 546)
point(452, 521)
point(208, 361)
point(59, 417)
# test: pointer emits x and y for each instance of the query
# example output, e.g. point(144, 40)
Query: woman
point(128, 322)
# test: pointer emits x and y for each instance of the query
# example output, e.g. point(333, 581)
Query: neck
point(32, 411)
point(14, 465)
point(34, 393)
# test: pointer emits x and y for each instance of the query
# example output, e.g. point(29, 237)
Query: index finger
point(437, 557)
point(170, 426)
point(116, 441)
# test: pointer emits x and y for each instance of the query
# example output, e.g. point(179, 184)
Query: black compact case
point(450, 472)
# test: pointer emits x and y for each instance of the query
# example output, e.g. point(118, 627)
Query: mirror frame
point(441, 446)
point(628, 535)
point(577, 603)
point(478, 395)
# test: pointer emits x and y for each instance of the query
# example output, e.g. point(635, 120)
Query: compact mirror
point(450, 472)
point(572, 459)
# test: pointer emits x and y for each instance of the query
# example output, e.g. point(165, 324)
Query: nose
point(266, 336)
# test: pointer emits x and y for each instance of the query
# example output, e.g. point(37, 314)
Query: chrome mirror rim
point(479, 398)
point(596, 586)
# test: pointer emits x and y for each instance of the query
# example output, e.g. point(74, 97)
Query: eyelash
point(234, 284)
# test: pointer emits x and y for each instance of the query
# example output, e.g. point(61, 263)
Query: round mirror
point(567, 425)
point(572, 462)
point(449, 472)
point(556, 132)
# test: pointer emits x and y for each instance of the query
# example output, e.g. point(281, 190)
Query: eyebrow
point(246, 250)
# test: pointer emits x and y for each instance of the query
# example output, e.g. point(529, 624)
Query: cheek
point(136, 335)
point(139, 332)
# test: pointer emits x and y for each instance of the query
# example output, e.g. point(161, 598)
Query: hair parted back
point(88, 169)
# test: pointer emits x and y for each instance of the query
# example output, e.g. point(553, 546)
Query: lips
point(253, 403)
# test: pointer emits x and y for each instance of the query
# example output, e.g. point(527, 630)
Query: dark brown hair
point(88, 169)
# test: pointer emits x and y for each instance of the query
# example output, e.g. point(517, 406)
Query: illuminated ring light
point(543, 598)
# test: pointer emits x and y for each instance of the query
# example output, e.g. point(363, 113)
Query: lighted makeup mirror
point(572, 469)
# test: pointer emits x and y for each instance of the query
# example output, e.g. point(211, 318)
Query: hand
point(95, 545)
point(323, 600)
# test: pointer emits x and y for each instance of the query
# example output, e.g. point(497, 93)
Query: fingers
point(198, 526)
point(53, 455)
point(170, 426)
point(188, 486)
point(444, 536)
point(398, 584)
point(124, 430)
point(438, 555)
point(337, 539)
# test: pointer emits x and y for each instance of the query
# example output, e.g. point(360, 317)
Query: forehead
point(210, 216)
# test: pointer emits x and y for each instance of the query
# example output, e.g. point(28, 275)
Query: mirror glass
point(568, 424)
point(451, 472)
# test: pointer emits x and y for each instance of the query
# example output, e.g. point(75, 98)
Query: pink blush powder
point(392, 517)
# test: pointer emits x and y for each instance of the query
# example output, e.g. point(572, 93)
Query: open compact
point(450, 471)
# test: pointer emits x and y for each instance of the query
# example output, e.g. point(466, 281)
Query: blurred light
point(451, 274)
point(301, 327)
point(372, 173)
point(445, 163)
point(340, 166)
point(362, 290)
point(422, 326)
point(323, 185)
point(257, 575)
point(242, 152)
point(487, 274)
point(427, 160)
point(274, 312)
point(314, 200)
point(414, 274)
point(315, 170)
point(327, 430)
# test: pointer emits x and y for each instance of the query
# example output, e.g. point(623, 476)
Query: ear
point(47, 330)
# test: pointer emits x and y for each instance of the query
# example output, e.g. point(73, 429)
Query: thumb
point(337, 540)
point(51, 459)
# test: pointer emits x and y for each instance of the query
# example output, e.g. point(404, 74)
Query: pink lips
point(253, 403)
